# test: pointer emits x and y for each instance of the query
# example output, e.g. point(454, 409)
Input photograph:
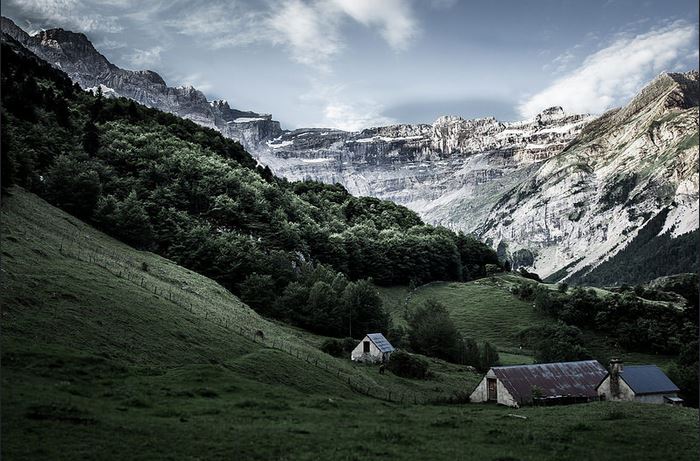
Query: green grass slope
point(487, 310)
point(102, 359)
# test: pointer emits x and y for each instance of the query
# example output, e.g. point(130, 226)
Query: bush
point(557, 342)
point(529, 275)
point(408, 366)
point(339, 347)
point(432, 332)
point(524, 291)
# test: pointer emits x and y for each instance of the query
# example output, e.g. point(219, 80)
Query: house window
point(365, 346)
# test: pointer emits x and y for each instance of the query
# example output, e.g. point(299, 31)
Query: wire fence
point(242, 322)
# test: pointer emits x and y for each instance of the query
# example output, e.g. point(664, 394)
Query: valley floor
point(111, 353)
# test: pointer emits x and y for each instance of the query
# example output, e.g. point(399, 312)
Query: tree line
point(304, 252)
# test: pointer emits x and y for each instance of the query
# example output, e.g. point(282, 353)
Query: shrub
point(408, 366)
point(529, 275)
point(432, 332)
point(339, 347)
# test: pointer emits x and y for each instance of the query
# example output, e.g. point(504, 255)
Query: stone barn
point(640, 383)
point(373, 348)
point(545, 383)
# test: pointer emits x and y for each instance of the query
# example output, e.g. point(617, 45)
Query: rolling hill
point(154, 365)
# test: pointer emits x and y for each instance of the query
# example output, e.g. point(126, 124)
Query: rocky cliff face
point(76, 56)
point(558, 194)
point(451, 172)
point(587, 203)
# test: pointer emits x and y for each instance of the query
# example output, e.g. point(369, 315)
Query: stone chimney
point(615, 369)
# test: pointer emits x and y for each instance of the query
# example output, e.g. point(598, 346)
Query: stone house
point(640, 383)
point(373, 348)
point(544, 383)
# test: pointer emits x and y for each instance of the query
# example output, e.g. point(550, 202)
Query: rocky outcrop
point(586, 204)
point(557, 194)
point(74, 54)
point(451, 172)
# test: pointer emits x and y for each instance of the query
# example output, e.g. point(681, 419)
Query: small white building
point(640, 383)
point(373, 348)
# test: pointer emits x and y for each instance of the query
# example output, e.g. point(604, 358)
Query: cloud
point(145, 58)
point(615, 73)
point(71, 14)
point(220, 25)
point(394, 18)
point(354, 116)
point(310, 31)
point(443, 4)
point(197, 80)
point(108, 44)
point(340, 108)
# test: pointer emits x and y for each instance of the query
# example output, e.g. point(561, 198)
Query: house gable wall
point(626, 392)
point(375, 355)
point(481, 393)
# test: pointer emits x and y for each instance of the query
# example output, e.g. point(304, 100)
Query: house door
point(365, 347)
point(491, 384)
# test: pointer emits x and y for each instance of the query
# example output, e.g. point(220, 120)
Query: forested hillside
point(295, 251)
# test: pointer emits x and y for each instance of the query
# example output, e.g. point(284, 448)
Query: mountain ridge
point(468, 174)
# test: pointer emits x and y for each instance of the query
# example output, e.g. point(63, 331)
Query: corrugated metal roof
point(578, 379)
point(380, 341)
point(647, 379)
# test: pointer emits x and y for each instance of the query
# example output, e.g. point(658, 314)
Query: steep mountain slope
point(471, 175)
point(449, 172)
point(624, 170)
point(74, 54)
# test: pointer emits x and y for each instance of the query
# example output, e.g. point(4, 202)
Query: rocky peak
point(150, 76)
point(13, 30)
point(667, 92)
point(220, 104)
point(550, 114)
point(75, 46)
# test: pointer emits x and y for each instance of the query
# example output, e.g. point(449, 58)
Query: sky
point(352, 64)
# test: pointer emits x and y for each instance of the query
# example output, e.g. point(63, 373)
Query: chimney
point(615, 369)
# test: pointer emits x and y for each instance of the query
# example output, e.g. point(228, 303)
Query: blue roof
point(647, 379)
point(380, 341)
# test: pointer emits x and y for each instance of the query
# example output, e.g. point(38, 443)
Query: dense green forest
point(295, 251)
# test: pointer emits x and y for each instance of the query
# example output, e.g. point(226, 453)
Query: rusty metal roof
point(576, 379)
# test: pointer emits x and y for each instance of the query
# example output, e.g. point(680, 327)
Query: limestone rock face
point(556, 194)
point(451, 171)
point(626, 167)
point(74, 54)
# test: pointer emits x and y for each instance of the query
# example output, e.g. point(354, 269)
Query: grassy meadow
point(486, 310)
point(112, 353)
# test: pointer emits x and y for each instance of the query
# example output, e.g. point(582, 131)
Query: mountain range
point(561, 194)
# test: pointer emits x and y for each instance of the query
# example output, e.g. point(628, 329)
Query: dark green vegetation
point(97, 366)
point(490, 309)
point(432, 332)
point(643, 319)
point(648, 256)
point(166, 185)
